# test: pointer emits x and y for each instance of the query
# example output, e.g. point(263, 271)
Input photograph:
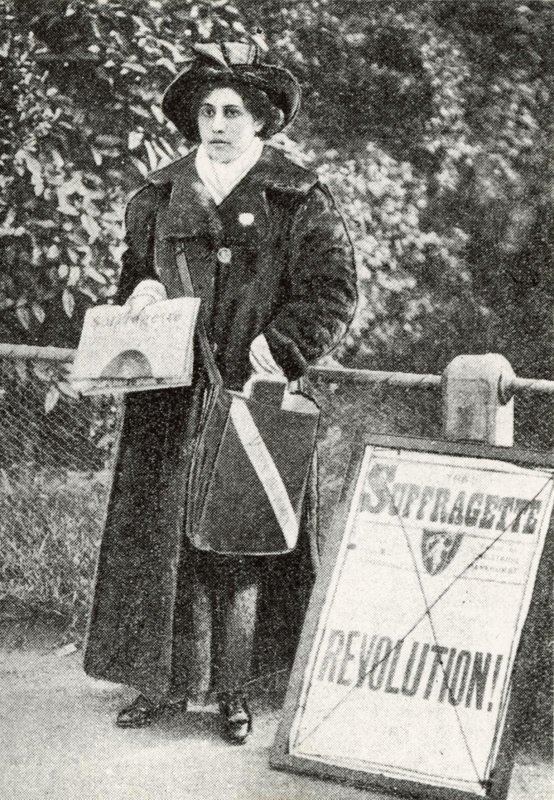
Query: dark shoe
point(237, 719)
point(143, 712)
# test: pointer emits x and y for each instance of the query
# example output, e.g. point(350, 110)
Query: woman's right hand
point(137, 303)
point(147, 292)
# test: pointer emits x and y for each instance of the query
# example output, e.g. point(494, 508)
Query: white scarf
point(220, 179)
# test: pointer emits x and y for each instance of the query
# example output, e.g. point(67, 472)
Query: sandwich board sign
point(402, 679)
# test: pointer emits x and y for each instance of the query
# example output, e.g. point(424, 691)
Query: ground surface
point(58, 742)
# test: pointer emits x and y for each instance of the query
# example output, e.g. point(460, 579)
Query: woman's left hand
point(261, 358)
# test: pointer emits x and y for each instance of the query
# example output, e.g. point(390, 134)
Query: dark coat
point(291, 277)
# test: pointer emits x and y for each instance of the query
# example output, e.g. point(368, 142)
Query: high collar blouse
point(220, 179)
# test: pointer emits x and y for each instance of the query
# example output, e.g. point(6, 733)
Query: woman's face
point(225, 126)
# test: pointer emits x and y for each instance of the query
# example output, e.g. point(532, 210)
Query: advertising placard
point(406, 674)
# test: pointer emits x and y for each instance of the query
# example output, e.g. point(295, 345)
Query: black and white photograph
point(276, 399)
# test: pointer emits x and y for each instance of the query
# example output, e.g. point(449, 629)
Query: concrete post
point(475, 402)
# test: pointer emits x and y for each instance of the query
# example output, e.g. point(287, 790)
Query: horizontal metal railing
point(365, 376)
point(63, 355)
point(335, 373)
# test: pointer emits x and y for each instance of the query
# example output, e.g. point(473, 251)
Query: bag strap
point(167, 265)
point(205, 346)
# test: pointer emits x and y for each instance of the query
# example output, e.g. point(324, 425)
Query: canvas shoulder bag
point(251, 458)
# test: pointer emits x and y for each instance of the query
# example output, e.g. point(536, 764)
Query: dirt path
point(58, 742)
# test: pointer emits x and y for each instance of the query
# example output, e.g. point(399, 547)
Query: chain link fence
point(56, 452)
point(55, 465)
point(55, 456)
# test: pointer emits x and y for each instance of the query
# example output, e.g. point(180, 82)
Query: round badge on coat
point(246, 219)
point(224, 255)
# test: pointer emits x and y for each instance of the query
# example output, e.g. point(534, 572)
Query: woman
point(269, 257)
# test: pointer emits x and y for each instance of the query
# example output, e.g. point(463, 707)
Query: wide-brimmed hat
point(235, 63)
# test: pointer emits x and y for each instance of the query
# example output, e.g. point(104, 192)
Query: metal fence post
point(477, 402)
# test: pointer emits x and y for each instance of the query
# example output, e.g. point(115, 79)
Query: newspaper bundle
point(118, 354)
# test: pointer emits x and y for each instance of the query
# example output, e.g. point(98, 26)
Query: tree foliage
point(437, 118)
point(429, 120)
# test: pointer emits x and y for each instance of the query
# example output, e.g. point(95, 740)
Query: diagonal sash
point(266, 470)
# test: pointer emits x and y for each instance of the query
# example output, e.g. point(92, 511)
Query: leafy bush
point(433, 122)
point(81, 84)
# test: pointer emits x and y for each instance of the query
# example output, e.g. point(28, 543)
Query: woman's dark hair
point(255, 101)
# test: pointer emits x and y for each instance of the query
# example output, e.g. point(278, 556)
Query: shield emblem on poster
point(438, 548)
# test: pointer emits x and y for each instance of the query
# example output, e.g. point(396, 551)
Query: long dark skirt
point(142, 615)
